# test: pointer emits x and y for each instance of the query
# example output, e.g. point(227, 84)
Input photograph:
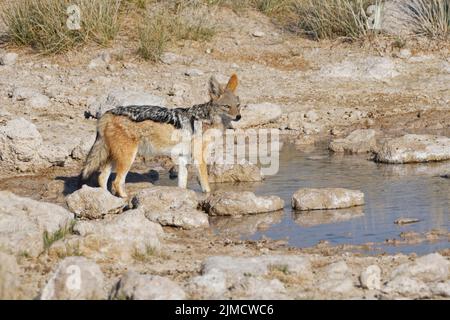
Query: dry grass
point(429, 17)
point(42, 24)
point(181, 21)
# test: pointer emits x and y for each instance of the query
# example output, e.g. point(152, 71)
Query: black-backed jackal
point(125, 130)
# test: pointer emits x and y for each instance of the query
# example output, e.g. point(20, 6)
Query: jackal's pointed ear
point(232, 83)
point(215, 89)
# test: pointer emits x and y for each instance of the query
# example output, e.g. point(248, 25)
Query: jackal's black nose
point(238, 117)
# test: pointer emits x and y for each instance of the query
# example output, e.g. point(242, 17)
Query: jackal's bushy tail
point(97, 157)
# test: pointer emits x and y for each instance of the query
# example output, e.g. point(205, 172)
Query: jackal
point(154, 130)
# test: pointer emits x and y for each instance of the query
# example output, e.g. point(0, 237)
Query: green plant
point(50, 238)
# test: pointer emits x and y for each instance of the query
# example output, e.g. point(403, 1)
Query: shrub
point(42, 24)
point(429, 17)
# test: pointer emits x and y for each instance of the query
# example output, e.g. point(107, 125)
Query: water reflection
point(317, 217)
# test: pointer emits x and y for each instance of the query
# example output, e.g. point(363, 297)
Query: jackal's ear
point(215, 89)
point(232, 83)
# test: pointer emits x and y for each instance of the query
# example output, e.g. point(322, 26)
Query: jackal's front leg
point(202, 172)
point(182, 172)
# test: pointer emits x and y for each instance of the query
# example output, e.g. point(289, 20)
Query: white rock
point(359, 141)
point(211, 285)
point(134, 286)
point(19, 141)
point(101, 61)
point(241, 203)
point(193, 73)
point(441, 289)
point(171, 206)
point(24, 93)
point(326, 198)
point(8, 59)
point(407, 287)
point(371, 278)
point(405, 54)
point(76, 278)
point(39, 101)
point(412, 148)
point(23, 222)
point(9, 277)
point(429, 268)
point(257, 114)
point(120, 237)
point(258, 34)
point(171, 58)
point(94, 203)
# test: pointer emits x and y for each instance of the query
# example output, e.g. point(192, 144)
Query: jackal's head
point(226, 107)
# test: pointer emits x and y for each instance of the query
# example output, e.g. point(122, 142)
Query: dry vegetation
point(41, 24)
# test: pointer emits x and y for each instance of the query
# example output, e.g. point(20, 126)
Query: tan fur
point(119, 139)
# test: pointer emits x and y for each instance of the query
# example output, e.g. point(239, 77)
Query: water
point(391, 192)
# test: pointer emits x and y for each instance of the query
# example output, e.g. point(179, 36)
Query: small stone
point(359, 141)
point(94, 203)
point(405, 54)
point(193, 73)
point(8, 59)
point(371, 278)
point(39, 101)
point(402, 221)
point(258, 34)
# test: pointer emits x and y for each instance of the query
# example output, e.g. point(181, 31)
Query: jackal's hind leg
point(123, 164)
point(104, 175)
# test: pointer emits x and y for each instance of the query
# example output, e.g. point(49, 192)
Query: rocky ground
point(312, 91)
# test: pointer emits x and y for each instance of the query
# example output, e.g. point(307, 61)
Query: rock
point(359, 141)
point(257, 114)
point(82, 149)
point(171, 58)
point(101, 61)
point(134, 286)
point(94, 203)
point(20, 141)
point(412, 148)
point(8, 59)
point(243, 172)
point(241, 203)
point(193, 73)
point(171, 206)
point(76, 278)
point(120, 237)
point(23, 222)
point(312, 116)
point(441, 289)
point(407, 287)
point(406, 221)
point(365, 69)
point(9, 277)
point(371, 278)
point(429, 268)
point(24, 93)
point(120, 97)
point(39, 101)
point(212, 285)
point(326, 198)
point(405, 54)
point(258, 34)
point(263, 289)
point(337, 279)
